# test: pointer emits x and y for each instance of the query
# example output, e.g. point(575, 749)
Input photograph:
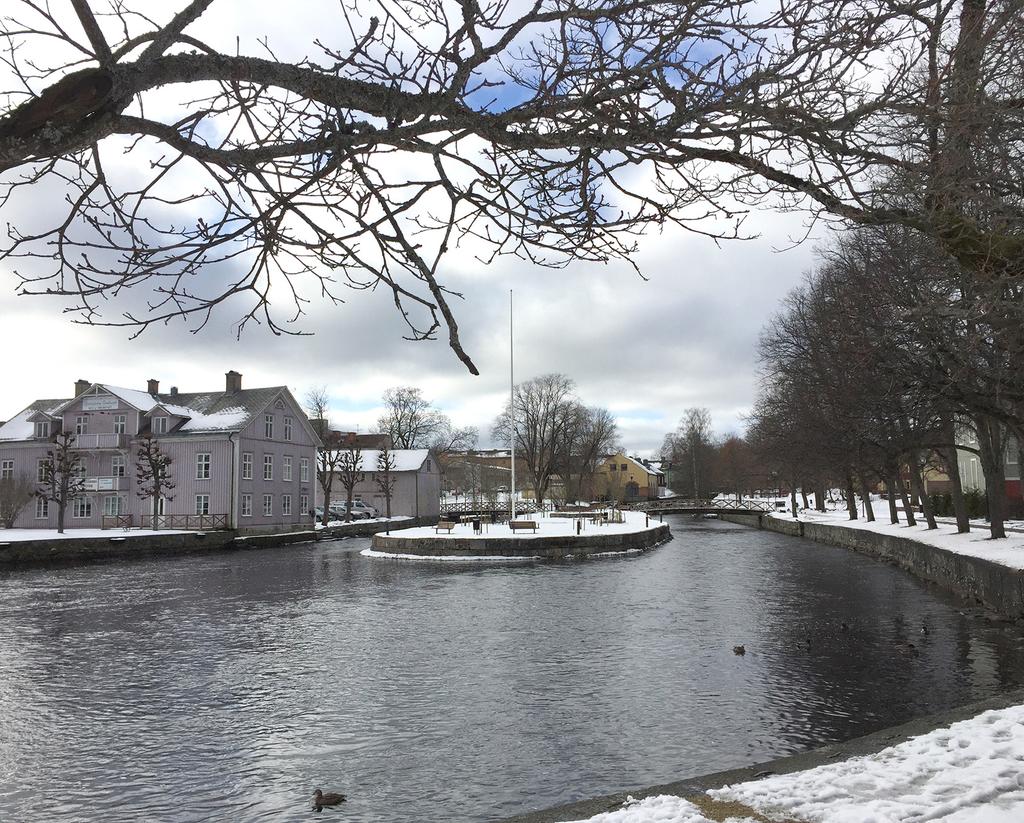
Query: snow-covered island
point(551, 536)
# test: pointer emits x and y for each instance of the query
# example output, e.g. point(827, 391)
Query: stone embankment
point(70, 550)
point(996, 586)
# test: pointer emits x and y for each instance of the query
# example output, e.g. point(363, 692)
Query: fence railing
point(100, 441)
point(680, 504)
point(189, 522)
point(483, 507)
point(116, 521)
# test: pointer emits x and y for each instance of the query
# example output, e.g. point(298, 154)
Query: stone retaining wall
point(551, 548)
point(998, 587)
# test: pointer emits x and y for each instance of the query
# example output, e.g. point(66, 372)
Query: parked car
point(360, 511)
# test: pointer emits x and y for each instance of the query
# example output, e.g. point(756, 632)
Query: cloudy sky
point(646, 350)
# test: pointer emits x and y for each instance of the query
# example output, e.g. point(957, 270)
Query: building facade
point(619, 477)
point(243, 458)
point(417, 484)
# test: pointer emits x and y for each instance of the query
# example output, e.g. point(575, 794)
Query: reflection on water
point(230, 686)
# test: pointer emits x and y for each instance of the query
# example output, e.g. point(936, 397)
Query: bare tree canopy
point(192, 172)
point(413, 422)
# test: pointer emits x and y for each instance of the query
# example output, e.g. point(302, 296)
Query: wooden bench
point(516, 525)
point(445, 525)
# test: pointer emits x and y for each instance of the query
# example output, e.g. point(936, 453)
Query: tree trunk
point(865, 493)
point(992, 442)
point(908, 505)
point(917, 484)
point(890, 493)
point(803, 496)
point(60, 517)
point(325, 517)
point(792, 499)
point(949, 457)
point(851, 497)
point(348, 502)
point(819, 496)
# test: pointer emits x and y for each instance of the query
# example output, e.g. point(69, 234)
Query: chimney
point(174, 391)
point(153, 386)
point(232, 382)
point(81, 386)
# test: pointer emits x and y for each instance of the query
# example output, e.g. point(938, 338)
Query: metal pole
point(512, 402)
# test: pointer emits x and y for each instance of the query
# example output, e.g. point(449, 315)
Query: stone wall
point(996, 586)
point(552, 548)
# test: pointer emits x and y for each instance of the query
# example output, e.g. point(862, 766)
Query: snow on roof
point(636, 463)
point(406, 460)
point(223, 420)
point(139, 399)
point(18, 427)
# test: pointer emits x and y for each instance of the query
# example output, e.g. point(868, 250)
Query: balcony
point(101, 441)
point(106, 484)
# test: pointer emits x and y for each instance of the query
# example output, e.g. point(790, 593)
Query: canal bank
point(694, 787)
point(995, 585)
point(123, 545)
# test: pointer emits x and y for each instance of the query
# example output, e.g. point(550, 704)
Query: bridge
point(482, 507)
point(678, 505)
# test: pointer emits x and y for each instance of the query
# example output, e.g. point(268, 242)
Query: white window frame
point(286, 467)
point(159, 425)
point(247, 465)
point(303, 469)
point(81, 424)
point(268, 505)
point(202, 504)
point(268, 426)
point(6, 469)
point(81, 508)
point(304, 504)
point(288, 429)
point(41, 428)
point(41, 470)
point(286, 505)
point(246, 505)
point(42, 508)
point(203, 466)
point(118, 505)
point(120, 423)
point(268, 467)
point(118, 465)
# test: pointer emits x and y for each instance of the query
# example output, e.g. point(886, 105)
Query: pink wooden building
point(243, 458)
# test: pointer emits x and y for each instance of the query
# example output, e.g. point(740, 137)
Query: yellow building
point(619, 477)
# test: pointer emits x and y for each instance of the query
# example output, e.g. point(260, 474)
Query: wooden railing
point(678, 504)
point(116, 521)
point(189, 522)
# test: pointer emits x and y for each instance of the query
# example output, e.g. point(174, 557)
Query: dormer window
point(159, 425)
point(42, 428)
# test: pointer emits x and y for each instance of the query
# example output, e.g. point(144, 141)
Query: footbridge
point(677, 505)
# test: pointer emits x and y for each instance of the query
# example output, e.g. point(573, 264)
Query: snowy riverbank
point(968, 772)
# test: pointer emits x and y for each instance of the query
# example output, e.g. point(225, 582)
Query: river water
point(228, 687)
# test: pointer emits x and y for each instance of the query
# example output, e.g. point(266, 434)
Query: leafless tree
point(594, 433)
point(328, 456)
point(546, 412)
point(385, 478)
point(16, 492)
point(63, 475)
point(192, 176)
point(153, 475)
point(350, 470)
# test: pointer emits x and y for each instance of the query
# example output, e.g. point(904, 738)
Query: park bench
point(517, 525)
point(445, 525)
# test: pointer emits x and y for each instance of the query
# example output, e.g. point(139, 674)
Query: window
point(41, 471)
point(159, 425)
point(286, 467)
point(42, 429)
point(113, 505)
point(202, 504)
point(202, 467)
point(42, 508)
point(247, 465)
point(120, 423)
point(286, 504)
point(426, 465)
point(78, 469)
point(304, 503)
point(82, 424)
point(622, 467)
point(268, 467)
point(287, 428)
point(304, 469)
point(613, 467)
point(268, 505)
point(6, 469)
point(117, 465)
point(82, 507)
point(268, 426)
point(246, 505)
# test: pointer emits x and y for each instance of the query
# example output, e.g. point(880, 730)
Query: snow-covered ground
point(547, 526)
point(18, 535)
point(970, 772)
point(333, 523)
point(1008, 551)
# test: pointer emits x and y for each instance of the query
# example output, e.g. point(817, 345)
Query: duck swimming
point(330, 799)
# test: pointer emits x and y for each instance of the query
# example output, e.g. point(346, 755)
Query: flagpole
point(512, 402)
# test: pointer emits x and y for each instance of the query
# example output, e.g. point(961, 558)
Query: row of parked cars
point(360, 510)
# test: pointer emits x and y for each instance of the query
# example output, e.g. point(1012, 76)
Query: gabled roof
point(636, 463)
point(202, 411)
point(405, 460)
